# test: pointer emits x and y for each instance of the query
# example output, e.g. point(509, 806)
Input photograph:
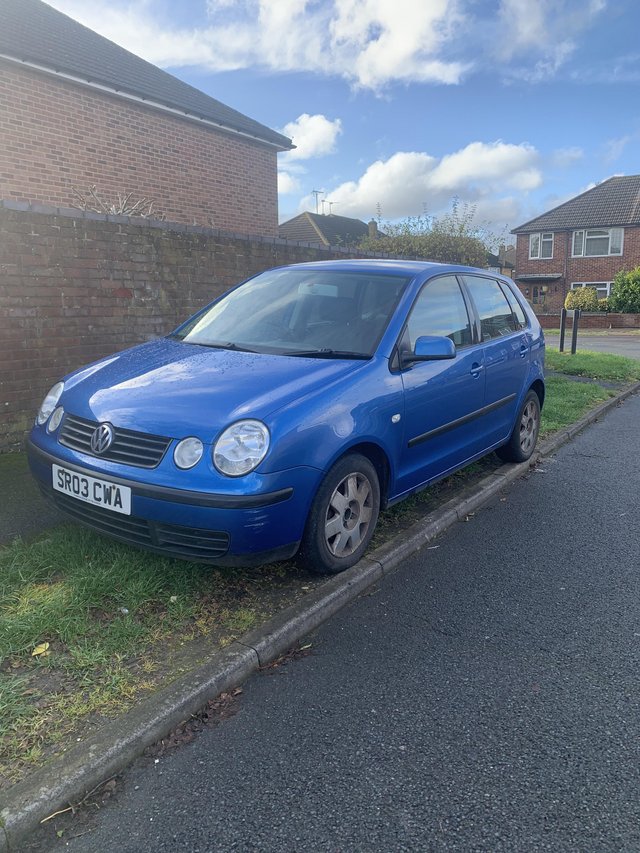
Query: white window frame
point(585, 232)
point(576, 285)
point(543, 237)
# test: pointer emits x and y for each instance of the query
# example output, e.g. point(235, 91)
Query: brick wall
point(55, 135)
point(75, 287)
point(571, 269)
point(593, 321)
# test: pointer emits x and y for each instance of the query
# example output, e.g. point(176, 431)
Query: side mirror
point(430, 348)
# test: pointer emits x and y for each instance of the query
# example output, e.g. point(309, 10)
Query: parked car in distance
point(286, 414)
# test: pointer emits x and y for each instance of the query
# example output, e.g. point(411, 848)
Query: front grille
point(129, 447)
point(173, 540)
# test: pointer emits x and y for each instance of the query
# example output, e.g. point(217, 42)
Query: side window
point(496, 317)
point(440, 310)
point(515, 305)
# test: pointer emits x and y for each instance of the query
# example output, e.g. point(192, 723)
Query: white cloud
point(541, 36)
point(411, 181)
point(613, 148)
point(398, 184)
point(313, 136)
point(613, 69)
point(287, 183)
point(134, 26)
point(369, 43)
point(493, 165)
point(398, 40)
point(562, 158)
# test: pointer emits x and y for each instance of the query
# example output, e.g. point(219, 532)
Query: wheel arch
point(380, 461)
point(538, 387)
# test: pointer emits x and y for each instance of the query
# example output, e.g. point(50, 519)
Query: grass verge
point(596, 365)
point(87, 626)
point(567, 401)
point(120, 622)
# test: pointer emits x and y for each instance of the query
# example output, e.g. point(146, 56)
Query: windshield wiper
point(326, 353)
point(223, 345)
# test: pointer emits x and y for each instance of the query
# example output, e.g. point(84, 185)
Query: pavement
point(86, 765)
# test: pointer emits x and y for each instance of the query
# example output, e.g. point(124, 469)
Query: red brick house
point(583, 242)
point(77, 110)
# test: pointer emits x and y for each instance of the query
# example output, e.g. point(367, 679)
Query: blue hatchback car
point(286, 414)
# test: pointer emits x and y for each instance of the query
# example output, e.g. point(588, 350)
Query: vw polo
point(286, 414)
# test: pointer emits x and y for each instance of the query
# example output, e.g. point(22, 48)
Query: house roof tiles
point(329, 230)
point(615, 201)
point(35, 33)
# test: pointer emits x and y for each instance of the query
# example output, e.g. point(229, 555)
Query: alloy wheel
point(349, 514)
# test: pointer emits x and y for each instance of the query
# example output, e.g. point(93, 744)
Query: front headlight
point(49, 403)
point(241, 448)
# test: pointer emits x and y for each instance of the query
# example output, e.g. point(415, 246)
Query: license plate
point(92, 490)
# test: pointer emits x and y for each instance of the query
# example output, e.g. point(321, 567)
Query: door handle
point(475, 369)
point(524, 349)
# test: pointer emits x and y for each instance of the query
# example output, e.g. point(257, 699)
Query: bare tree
point(124, 206)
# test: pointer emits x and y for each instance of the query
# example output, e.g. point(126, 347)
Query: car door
point(507, 344)
point(441, 398)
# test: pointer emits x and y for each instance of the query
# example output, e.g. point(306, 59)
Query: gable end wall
point(55, 135)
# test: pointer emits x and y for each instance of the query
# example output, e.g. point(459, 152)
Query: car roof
point(392, 266)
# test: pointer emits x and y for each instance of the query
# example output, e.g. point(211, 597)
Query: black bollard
point(574, 331)
point(563, 323)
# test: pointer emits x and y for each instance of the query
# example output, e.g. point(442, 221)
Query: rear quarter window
point(496, 316)
point(512, 299)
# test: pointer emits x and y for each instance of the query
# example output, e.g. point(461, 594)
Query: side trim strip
point(166, 493)
point(461, 421)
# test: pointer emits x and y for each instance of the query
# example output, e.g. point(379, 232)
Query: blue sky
point(398, 106)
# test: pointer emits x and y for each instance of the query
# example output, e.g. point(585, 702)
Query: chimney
point(373, 229)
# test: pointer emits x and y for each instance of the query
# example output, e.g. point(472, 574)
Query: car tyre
point(342, 517)
point(523, 439)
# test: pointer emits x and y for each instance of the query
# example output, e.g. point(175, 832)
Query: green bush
point(625, 292)
point(603, 304)
point(585, 298)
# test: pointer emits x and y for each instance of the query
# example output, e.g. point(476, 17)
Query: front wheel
point(342, 517)
point(523, 439)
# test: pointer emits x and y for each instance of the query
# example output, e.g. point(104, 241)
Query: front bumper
point(221, 529)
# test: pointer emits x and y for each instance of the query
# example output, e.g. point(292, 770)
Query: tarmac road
point(483, 698)
point(628, 345)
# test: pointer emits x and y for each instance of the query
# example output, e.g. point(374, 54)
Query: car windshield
point(296, 312)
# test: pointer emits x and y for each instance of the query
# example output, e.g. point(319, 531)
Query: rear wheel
point(523, 439)
point(342, 517)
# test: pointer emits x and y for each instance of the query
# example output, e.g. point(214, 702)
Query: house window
point(541, 245)
point(597, 242)
point(603, 287)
